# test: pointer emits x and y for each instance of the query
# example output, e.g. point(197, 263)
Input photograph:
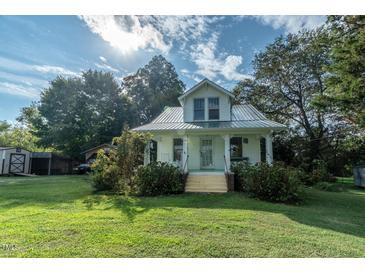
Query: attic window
point(199, 109)
point(213, 107)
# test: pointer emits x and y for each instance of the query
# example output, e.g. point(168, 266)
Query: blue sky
point(34, 49)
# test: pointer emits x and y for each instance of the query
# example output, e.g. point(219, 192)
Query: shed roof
point(98, 147)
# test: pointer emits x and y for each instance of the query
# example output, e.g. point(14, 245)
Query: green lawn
point(60, 217)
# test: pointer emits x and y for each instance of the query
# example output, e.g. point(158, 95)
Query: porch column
point(269, 154)
point(185, 156)
point(227, 153)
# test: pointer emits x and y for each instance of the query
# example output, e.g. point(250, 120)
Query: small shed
point(51, 163)
point(90, 154)
point(359, 175)
point(14, 160)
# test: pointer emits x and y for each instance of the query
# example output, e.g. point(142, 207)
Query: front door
point(206, 153)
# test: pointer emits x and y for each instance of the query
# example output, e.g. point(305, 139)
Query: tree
point(4, 126)
point(116, 169)
point(77, 113)
point(347, 68)
point(289, 77)
point(18, 136)
point(153, 87)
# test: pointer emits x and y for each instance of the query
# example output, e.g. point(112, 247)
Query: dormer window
point(213, 108)
point(199, 109)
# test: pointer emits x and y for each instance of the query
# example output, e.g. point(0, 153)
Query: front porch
point(207, 157)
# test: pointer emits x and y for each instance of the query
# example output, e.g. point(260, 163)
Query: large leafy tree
point(153, 87)
point(77, 113)
point(289, 78)
point(4, 126)
point(347, 68)
point(19, 136)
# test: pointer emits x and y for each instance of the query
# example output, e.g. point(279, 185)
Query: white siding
point(205, 92)
point(252, 148)
point(5, 160)
point(165, 148)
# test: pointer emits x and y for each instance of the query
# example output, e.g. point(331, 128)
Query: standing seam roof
point(243, 116)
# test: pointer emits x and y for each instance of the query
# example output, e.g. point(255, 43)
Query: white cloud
point(126, 33)
point(161, 33)
point(19, 90)
point(54, 70)
point(103, 59)
point(211, 65)
point(132, 33)
point(184, 71)
point(106, 67)
point(25, 80)
point(292, 23)
point(17, 66)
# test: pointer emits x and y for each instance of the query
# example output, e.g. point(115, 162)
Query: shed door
point(17, 163)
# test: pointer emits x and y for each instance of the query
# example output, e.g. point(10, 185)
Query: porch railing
point(225, 163)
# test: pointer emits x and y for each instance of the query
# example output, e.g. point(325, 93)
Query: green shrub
point(106, 174)
point(116, 169)
point(274, 183)
point(159, 178)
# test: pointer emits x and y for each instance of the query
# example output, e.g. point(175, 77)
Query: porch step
point(206, 183)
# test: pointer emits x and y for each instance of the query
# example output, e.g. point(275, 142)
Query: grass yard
point(61, 217)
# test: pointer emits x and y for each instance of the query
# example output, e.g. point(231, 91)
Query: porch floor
point(206, 172)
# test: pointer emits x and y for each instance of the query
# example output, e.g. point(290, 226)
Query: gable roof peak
point(201, 83)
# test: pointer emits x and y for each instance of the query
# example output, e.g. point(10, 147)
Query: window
point(263, 149)
point(213, 107)
point(178, 149)
point(199, 109)
point(153, 151)
point(236, 147)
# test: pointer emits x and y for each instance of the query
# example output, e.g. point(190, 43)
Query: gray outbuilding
point(14, 160)
point(359, 175)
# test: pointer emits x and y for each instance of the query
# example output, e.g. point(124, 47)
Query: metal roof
point(243, 117)
point(109, 145)
point(170, 115)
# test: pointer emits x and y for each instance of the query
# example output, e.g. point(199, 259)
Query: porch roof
point(243, 117)
point(259, 124)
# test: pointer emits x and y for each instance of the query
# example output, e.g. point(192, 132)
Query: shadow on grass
point(337, 211)
point(129, 206)
point(42, 190)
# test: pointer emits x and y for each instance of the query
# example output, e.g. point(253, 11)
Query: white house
point(207, 133)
